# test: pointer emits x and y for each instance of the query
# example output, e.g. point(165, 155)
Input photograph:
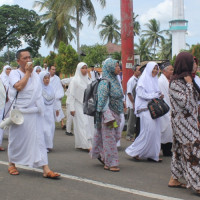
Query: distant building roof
point(111, 48)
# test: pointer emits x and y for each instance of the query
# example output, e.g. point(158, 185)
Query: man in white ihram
point(26, 141)
point(59, 93)
point(165, 121)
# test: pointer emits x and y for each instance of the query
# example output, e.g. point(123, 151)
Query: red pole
point(127, 40)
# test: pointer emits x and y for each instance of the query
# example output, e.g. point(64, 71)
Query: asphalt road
point(85, 179)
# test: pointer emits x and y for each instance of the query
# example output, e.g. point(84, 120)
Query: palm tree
point(54, 28)
point(166, 48)
point(136, 25)
point(110, 29)
point(142, 49)
point(80, 8)
point(153, 34)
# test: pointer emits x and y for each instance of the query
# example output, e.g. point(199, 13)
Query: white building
point(178, 27)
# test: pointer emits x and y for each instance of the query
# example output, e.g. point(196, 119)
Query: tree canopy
point(18, 24)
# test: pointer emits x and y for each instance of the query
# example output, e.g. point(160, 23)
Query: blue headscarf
point(114, 91)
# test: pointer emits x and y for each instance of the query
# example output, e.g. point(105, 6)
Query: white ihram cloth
point(26, 142)
point(147, 144)
point(69, 117)
point(83, 124)
point(2, 105)
point(165, 121)
point(49, 108)
point(59, 94)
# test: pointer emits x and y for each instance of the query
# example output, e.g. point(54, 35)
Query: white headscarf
point(47, 90)
point(37, 67)
point(148, 83)
point(79, 83)
point(4, 77)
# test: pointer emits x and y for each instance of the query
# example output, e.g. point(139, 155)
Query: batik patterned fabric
point(186, 137)
point(105, 140)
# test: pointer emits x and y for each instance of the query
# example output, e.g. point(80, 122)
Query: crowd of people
point(37, 94)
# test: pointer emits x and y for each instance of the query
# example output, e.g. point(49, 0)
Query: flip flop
point(12, 170)
point(181, 185)
point(100, 160)
point(112, 169)
point(152, 160)
point(2, 149)
point(52, 175)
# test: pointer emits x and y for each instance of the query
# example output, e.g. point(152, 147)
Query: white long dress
point(2, 105)
point(49, 109)
point(165, 121)
point(147, 144)
point(55, 83)
point(26, 142)
point(83, 124)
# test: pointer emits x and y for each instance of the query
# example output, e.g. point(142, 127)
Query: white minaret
point(178, 27)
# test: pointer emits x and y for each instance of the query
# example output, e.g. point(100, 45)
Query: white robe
point(83, 124)
point(147, 144)
point(26, 142)
point(59, 94)
point(2, 105)
point(165, 121)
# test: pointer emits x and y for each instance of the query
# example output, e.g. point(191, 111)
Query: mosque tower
point(178, 27)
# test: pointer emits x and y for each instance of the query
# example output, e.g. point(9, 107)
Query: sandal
point(152, 160)
point(12, 170)
point(112, 169)
point(52, 175)
point(180, 185)
point(100, 160)
point(2, 149)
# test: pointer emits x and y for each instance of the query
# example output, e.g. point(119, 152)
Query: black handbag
point(157, 108)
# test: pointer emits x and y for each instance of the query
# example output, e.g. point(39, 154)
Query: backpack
point(91, 97)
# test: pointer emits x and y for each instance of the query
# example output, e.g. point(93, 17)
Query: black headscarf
point(183, 67)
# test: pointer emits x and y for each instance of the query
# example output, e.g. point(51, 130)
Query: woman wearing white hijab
point(147, 144)
point(83, 124)
point(49, 98)
point(5, 76)
point(5, 81)
point(2, 105)
point(37, 69)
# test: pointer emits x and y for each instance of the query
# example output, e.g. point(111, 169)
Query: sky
point(161, 10)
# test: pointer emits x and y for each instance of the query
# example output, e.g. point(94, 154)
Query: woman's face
point(8, 71)
point(117, 69)
point(155, 71)
point(38, 71)
point(46, 80)
point(84, 70)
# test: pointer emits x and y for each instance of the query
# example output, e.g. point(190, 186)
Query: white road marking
point(105, 185)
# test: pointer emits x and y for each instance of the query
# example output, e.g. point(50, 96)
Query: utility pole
point(127, 37)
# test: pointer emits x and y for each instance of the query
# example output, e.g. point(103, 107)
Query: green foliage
point(95, 55)
point(117, 55)
point(195, 50)
point(50, 59)
point(153, 35)
point(110, 29)
point(17, 23)
point(67, 59)
point(38, 61)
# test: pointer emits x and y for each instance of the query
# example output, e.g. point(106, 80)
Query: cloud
point(162, 12)
point(7, 2)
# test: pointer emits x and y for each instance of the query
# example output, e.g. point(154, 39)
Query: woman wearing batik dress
point(109, 107)
point(184, 94)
